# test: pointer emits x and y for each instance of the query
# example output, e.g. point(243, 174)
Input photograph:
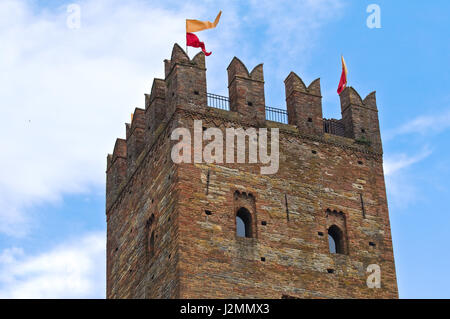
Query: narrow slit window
point(151, 245)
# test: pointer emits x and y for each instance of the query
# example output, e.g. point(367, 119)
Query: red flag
point(193, 41)
point(343, 81)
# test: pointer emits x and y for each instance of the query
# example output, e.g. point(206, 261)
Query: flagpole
point(187, 53)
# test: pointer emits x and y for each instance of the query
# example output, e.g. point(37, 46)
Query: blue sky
point(67, 92)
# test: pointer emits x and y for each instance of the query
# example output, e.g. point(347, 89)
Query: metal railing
point(223, 103)
point(218, 101)
point(331, 126)
point(276, 115)
point(335, 127)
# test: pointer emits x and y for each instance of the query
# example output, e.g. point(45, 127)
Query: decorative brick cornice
point(284, 129)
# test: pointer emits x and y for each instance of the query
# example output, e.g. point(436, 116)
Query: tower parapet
point(116, 171)
point(135, 138)
point(304, 104)
point(246, 91)
point(155, 108)
point(185, 80)
point(185, 86)
point(360, 118)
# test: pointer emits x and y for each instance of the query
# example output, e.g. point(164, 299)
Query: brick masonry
point(161, 243)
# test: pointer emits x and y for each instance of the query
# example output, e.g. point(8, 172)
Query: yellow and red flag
point(193, 41)
point(343, 81)
point(196, 25)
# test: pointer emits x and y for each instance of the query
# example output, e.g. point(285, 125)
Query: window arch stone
point(245, 218)
point(337, 232)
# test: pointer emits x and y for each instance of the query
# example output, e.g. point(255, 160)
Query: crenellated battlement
point(246, 92)
point(116, 171)
point(352, 97)
point(180, 57)
point(138, 121)
point(238, 69)
point(135, 138)
point(360, 118)
point(304, 104)
point(294, 83)
point(120, 150)
point(154, 107)
point(184, 86)
point(158, 91)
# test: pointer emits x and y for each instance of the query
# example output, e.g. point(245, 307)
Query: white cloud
point(75, 269)
point(402, 190)
point(291, 27)
point(65, 93)
point(423, 125)
point(394, 163)
point(290, 34)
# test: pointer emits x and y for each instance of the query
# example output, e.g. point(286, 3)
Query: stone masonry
point(171, 228)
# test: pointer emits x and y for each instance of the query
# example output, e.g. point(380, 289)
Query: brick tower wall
point(214, 263)
point(145, 203)
point(323, 180)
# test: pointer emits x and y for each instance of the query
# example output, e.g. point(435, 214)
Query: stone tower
point(310, 230)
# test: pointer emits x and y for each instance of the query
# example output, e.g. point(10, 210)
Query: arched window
point(151, 245)
point(331, 244)
point(335, 240)
point(243, 223)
